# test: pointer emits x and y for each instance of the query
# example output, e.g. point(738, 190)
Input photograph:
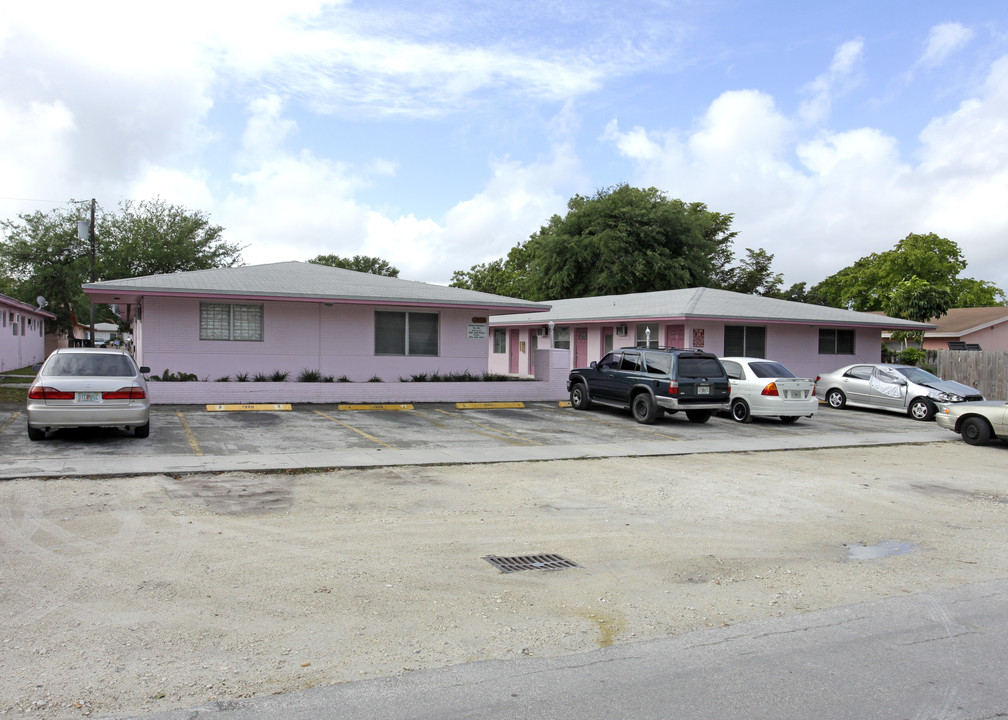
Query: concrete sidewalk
point(383, 457)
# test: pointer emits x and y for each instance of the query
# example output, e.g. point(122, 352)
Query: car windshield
point(699, 367)
point(84, 364)
point(770, 369)
point(921, 377)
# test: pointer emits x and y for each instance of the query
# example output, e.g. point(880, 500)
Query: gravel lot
point(129, 595)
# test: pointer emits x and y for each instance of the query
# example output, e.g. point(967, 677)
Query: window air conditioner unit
point(542, 332)
point(621, 331)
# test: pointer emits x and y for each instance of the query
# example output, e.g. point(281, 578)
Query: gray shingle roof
point(702, 303)
point(299, 280)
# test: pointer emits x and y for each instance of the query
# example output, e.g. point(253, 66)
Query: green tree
point(152, 237)
point(42, 255)
point(754, 276)
point(869, 283)
point(358, 263)
point(504, 276)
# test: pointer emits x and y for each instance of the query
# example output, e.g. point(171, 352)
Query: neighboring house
point(979, 328)
point(294, 316)
point(809, 339)
point(22, 334)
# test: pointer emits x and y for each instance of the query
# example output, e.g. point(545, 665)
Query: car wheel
point(921, 409)
point(698, 416)
point(740, 411)
point(142, 431)
point(644, 409)
point(836, 399)
point(789, 419)
point(579, 396)
point(35, 433)
point(975, 431)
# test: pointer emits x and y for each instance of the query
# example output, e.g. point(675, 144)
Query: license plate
point(703, 390)
point(88, 397)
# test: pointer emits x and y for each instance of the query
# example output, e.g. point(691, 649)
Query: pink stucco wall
point(794, 344)
point(20, 350)
point(993, 338)
point(550, 383)
point(335, 339)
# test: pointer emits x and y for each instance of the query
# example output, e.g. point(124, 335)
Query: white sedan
point(765, 388)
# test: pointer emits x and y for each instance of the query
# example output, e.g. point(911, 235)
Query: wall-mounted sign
point(476, 331)
point(698, 337)
point(479, 321)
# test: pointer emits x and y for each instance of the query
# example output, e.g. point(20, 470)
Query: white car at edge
point(766, 388)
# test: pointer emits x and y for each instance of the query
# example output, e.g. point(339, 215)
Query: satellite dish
point(42, 302)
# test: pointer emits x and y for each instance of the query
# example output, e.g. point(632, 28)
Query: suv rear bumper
point(669, 403)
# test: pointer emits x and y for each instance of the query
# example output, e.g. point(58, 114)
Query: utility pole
point(92, 234)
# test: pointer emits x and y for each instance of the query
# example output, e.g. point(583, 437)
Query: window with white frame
point(561, 337)
point(500, 340)
point(406, 333)
point(224, 321)
point(645, 338)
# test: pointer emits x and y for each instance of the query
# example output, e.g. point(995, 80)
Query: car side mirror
point(144, 370)
point(593, 365)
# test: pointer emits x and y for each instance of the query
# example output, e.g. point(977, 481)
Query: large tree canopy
point(622, 240)
point(41, 253)
point(920, 271)
point(360, 263)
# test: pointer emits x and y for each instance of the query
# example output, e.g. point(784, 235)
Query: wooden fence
point(984, 370)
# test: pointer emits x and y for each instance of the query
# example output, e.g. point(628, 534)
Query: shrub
point(224, 378)
point(342, 378)
point(241, 377)
point(279, 376)
point(169, 376)
point(913, 356)
point(307, 375)
point(260, 377)
point(328, 378)
point(375, 378)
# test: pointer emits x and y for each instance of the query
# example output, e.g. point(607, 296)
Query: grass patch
point(13, 394)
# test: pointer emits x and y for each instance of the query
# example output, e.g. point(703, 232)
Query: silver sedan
point(86, 387)
point(899, 388)
point(977, 422)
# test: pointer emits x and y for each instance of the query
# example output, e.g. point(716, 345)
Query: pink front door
point(513, 352)
point(580, 347)
point(674, 335)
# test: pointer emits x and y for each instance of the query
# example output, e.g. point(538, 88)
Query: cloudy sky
point(437, 134)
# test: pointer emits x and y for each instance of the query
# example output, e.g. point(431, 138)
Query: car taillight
point(125, 393)
point(770, 389)
point(41, 392)
point(673, 387)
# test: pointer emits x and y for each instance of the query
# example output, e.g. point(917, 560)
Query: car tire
point(142, 431)
point(921, 409)
point(579, 398)
point(698, 416)
point(35, 433)
point(836, 399)
point(644, 409)
point(789, 419)
point(975, 431)
point(740, 411)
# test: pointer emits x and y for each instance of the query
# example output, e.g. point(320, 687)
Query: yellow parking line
point(377, 406)
point(492, 429)
point(190, 436)
point(489, 405)
point(372, 438)
point(10, 421)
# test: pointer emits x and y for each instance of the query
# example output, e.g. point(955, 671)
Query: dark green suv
point(653, 380)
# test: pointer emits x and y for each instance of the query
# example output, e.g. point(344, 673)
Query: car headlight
point(950, 397)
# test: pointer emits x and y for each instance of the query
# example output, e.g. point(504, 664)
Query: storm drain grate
point(529, 562)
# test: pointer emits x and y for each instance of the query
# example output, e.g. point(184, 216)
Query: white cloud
point(943, 41)
point(842, 74)
point(819, 203)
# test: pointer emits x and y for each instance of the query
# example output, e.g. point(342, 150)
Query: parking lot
point(483, 433)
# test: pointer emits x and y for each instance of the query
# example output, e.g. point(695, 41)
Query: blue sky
point(437, 135)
